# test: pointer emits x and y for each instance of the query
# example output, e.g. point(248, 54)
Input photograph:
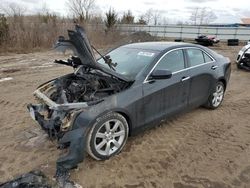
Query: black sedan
point(133, 87)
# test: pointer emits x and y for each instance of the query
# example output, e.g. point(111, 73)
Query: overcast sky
point(173, 10)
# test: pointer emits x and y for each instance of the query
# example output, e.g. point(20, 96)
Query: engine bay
point(85, 86)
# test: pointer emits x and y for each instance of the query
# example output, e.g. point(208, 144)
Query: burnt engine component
point(85, 88)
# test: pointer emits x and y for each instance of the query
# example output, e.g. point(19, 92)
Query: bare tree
point(202, 16)
point(44, 10)
point(165, 21)
point(12, 9)
point(194, 15)
point(152, 16)
point(208, 16)
point(81, 8)
point(156, 17)
point(148, 16)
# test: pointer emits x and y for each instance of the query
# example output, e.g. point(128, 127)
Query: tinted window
point(207, 58)
point(195, 57)
point(173, 61)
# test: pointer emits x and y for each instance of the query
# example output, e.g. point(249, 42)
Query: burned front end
point(243, 58)
point(62, 99)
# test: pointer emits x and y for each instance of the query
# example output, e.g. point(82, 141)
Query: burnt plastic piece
point(76, 151)
point(32, 179)
point(51, 126)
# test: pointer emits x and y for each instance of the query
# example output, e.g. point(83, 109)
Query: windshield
point(130, 61)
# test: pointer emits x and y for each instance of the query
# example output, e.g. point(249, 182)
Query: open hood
point(80, 45)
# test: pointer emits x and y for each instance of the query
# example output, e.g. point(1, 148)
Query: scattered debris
point(31, 179)
point(6, 79)
point(10, 70)
point(37, 179)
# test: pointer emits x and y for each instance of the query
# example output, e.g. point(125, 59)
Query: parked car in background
point(207, 40)
point(95, 108)
point(243, 58)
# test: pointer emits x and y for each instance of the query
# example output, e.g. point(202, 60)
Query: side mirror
point(161, 74)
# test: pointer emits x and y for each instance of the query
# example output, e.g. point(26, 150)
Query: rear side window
point(173, 61)
point(207, 58)
point(197, 57)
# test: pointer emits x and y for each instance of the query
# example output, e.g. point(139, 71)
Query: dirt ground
point(200, 149)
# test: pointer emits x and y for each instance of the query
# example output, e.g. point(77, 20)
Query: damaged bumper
point(59, 126)
point(72, 140)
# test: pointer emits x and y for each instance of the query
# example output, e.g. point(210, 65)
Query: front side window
point(173, 61)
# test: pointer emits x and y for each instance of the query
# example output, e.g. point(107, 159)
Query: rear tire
point(216, 98)
point(107, 136)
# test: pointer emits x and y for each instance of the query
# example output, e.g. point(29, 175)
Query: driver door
point(164, 97)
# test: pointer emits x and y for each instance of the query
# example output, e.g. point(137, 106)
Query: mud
point(200, 149)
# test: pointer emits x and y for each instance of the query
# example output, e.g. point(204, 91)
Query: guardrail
point(186, 31)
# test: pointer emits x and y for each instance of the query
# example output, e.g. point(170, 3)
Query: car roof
point(158, 46)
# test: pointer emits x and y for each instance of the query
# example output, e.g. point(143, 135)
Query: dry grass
point(35, 33)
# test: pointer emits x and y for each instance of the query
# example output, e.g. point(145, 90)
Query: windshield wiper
point(106, 59)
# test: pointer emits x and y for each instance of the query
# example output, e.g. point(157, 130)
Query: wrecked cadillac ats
point(63, 99)
point(134, 86)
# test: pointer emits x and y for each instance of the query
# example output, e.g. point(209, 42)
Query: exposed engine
point(84, 86)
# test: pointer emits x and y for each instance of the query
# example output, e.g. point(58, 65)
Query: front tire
point(216, 98)
point(107, 136)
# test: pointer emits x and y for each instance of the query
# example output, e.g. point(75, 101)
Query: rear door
point(167, 96)
point(201, 70)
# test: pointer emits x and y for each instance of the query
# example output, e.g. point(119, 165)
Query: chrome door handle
point(214, 67)
point(185, 78)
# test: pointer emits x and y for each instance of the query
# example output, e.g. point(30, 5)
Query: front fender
point(76, 138)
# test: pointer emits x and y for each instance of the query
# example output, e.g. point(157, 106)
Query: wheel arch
point(223, 80)
point(128, 119)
